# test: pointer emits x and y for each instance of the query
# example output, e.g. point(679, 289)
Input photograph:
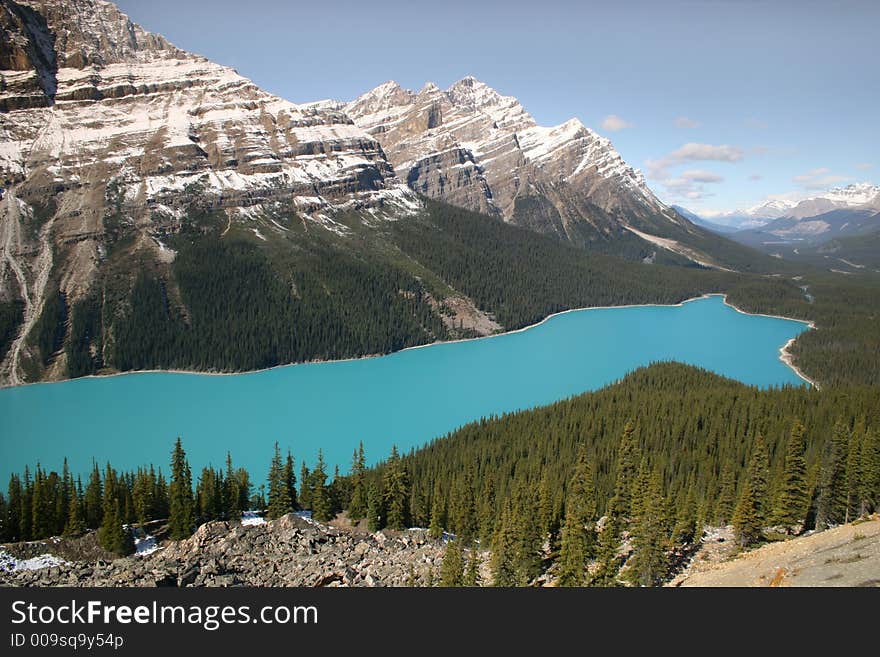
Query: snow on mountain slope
point(471, 146)
point(106, 129)
point(156, 120)
point(856, 196)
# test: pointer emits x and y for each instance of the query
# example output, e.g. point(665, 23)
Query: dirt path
point(32, 296)
point(844, 556)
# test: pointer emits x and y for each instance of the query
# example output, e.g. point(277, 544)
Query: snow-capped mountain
point(857, 196)
point(109, 130)
point(752, 217)
point(102, 92)
point(472, 146)
point(840, 212)
point(862, 196)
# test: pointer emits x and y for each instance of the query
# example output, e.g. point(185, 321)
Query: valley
point(490, 353)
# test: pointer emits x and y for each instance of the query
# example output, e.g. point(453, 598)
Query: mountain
point(704, 223)
point(160, 211)
point(814, 229)
point(473, 147)
point(754, 216)
point(112, 138)
point(857, 197)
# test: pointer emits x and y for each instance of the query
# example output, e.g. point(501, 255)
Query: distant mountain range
point(840, 212)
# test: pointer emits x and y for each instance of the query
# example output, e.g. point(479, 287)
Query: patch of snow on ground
point(9, 564)
point(252, 518)
point(146, 545)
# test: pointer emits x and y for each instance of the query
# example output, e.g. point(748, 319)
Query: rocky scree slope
point(290, 551)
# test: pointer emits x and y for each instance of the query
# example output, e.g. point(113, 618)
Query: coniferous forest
point(607, 488)
point(233, 303)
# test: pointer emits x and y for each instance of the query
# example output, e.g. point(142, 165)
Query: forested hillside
point(662, 454)
point(229, 301)
point(669, 450)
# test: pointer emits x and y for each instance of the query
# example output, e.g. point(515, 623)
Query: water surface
point(405, 398)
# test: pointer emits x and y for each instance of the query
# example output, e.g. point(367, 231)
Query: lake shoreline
point(784, 354)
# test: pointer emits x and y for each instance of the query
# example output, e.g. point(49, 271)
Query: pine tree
point(792, 500)
point(4, 509)
point(609, 544)
point(75, 525)
point(452, 568)
point(870, 472)
point(746, 519)
point(94, 496)
point(232, 500)
point(487, 511)
point(142, 494)
point(112, 536)
point(279, 492)
point(322, 507)
point(375, 514)
point(472, 572)
point(62, 507)
point(649, 562)
point(502, 562)
point(357, 509)
point(684, 531)
point(12, 529)
point(290, 481)
point(438, 513)
point(758, 476)
point(305, 487)
point(182, 513)
point(395, 488)
point(726, 496)
point(465, 509)
point(853, 476)
point(26, 510)
point(42, 506)
point(628, 461)
point(831, 502)
point(578, 533)
point(526, 536)
point(545, 505)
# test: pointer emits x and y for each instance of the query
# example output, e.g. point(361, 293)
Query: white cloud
point(689, 184)
point(693, 151)
point(819, 178)
point(701, 176)
point(685, 122)
point(614, 123)
point(864, 166)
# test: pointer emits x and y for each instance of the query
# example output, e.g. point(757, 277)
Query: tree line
point(617, 485)
point(609, 487)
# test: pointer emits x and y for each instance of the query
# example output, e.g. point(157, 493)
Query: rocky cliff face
point(471, 146)
point(105, 127)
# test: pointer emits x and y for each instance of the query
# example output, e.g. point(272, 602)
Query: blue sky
point(721, 102)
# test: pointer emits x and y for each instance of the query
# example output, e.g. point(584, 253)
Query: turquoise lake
point(406, 398)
